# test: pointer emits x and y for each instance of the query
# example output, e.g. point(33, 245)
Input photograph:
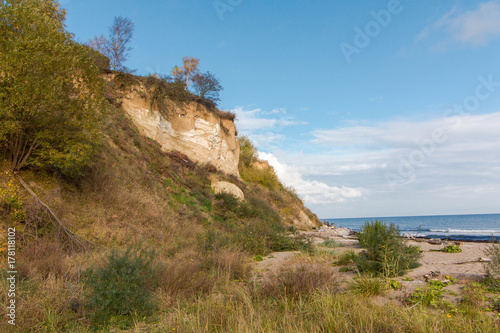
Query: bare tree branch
point(74, 242)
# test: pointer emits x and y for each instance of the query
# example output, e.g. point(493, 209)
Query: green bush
point(122, 288)
point(394, 284)
point(248, 152)
point(452, 249)
point(386, 251)
point(431, 295)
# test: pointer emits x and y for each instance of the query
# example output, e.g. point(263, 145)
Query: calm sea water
point(460, 227)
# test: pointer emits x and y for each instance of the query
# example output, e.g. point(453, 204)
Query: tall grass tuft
point(368, 286)
point(386, 251)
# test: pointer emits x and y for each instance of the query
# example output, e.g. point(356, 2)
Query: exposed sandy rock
point(191, 129)
point(226, 187)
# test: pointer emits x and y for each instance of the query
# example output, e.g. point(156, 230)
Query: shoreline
point(338, 230)
point(466, 266)
point(453, 238)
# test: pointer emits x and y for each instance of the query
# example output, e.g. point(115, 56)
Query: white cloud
point(478, 26)
point(474, 27)
point(443, 21)
point(406, 134)
point(312, 191)
point(437, 153)
point(256, 119)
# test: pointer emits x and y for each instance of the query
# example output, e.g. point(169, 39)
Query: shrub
point(161, 89)
point(394, 284)
point(452, 249)
point(386, 251)
point(429, 295)
point(229, 261)
point(184, 276)
point(248, 152)
point(101, 60)
point(121, 288)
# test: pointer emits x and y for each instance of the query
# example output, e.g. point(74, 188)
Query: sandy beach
point(466, 266)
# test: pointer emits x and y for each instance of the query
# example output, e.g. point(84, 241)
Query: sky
point(366, 108)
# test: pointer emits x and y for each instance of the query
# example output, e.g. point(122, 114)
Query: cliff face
point(190, 128)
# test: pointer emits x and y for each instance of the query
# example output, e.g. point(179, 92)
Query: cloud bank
point(312, 191)
point(474, 27)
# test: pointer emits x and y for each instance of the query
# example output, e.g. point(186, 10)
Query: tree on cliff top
point(207, 86)
point(188, 70)
point(50, 90)
point(120, 35)
point(116, 45)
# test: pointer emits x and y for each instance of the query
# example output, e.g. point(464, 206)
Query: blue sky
point(367, 108)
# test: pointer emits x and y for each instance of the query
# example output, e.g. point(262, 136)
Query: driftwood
point(472, 260)
point(66, 237)
point(462, 262)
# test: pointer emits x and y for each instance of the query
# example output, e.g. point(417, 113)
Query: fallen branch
point(464, 261)
point(472, 260)
point(75, 242)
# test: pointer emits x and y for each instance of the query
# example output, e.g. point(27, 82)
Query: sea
point(478, 227)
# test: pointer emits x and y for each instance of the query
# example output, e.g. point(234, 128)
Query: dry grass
point(300, 279)
point(191, 273)
point(41, 258)
point(44, 305)
point(235, 308)
point(225, 114)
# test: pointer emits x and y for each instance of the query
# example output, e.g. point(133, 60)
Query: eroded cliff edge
point(200, 132)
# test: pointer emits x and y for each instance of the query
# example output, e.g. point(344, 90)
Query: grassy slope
point(135, 193)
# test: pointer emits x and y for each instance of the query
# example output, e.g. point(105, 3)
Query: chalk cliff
point(191, 128)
